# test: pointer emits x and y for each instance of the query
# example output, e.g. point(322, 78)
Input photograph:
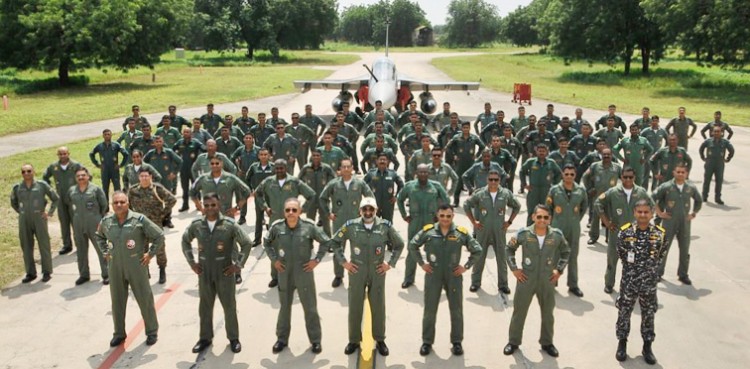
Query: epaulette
point(196, 220)
point(301, 219)
point(281, 221)
point(462, 229)
point(228, 219)
point(556, 230)
point(660, 228)
point(386, 222)
point(428, 227)
point(625, 226)
point(140, 218)
point(349, 222)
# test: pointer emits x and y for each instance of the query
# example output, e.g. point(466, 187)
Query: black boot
point(162, 275)
point(622, 350)
point(648, 355)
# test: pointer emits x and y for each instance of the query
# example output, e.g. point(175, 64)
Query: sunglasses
point(545, 217)
point(291, 210)
point(368, 209)
point(211, 205)
point(436, 155)
point(215, 164)
point(26, 171)
point(494, 179)
point(569, 174)
point(445, 216)
point(119, 202)
point(628, 177)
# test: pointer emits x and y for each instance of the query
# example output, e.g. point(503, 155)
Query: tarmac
point(59, 325)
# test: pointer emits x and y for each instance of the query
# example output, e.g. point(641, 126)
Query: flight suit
point(443, 253)
point(637, 150)
point(537, 137)
point(460, 154)
point(306, 138)
point(370, 158)
point(656, 138)
point(519, 122)
point(417, 157)
point(228, 146)
point(382, 185)
point(492, 129)
point(234, 131)
point(552, 122)
point(542, 176)
point(202, 164)
point(317, 179)
point(189, 152)
point(714, 153)
point(130, 176)
point(342, 143)
point(142, 144)
point(333, 157)
point(388, 130)
point(483, 120)
point(680, 128)
point(491, 214)
point(228, 188)
point(561, 159)
point(156, 203)
point(168, 164)
point(614, 202)
point(128, 137)
point(506, 161)
point(676, 202)
point(261, 134)
point(217, 249)
point(442, 175)
point(110, 168)
point(447, 133)
point(89, 206)
point(211, 122)
point(29, 203)
point(619, 123)
point(312, 121)
point(424, 202)
point(597, 180)
point(476, 176)
point(611, 136)
point(244, 123)
point(352, 135)
point(367, 251)
point(125, 244)
point(568, 211)
point(413, 143)
point(140, 121)
point(170, 136)
point(709, 127)
point(343, 202)
point(582, 146)
point(538, 264)
point(664, 161)
point(285, 148)
point(254, 176)
point(514, 146)
point(64, 179)
point(369, 142)
point(568, 133)
point(294, 248)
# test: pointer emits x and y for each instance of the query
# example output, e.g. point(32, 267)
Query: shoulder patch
point(428, 227)
point(462, 229)
point(661, 228)
point(349, 222)
point(625, 226)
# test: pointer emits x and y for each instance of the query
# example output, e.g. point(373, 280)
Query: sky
point(437, 10)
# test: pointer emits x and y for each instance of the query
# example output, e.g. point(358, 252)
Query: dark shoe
point(184, 208)
point(201, 345)
point(406, 284)
point(622, 350)
point(46, 277)
point(235, 346)
point(278, 347)
point(65, 250)
point(648, 355)
point(350, 348)
point(457, 349)
point(474, 288)
point(30, 278)
point(80, 280)
point(591, 241)
point(116, 341)
point(509, 349)
point(718, 201)
point(316, 348)
point(588, 225)
point(382, 348)
point(273, 283)
point(685, 280)
point(242, 221)
point(505, 290)
point(705, 198)
point(608, 289)
point(336, 282)
point(521, 191)
point(256, 242)
point(550, 350)
point(162, 275)
point(237, 279)
point(151, 339)
point(105, 281)
point(169, 224)
point(576, 291)
point(425, 349)
point(455, 205)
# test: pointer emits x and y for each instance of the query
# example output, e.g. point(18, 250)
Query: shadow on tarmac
point(223, 360)
point(286, 359)
point(575, 305)
point(271, 297)
point(690, 292)
point(434, 361)
point(20, 289)
point(135, 357)
point(498, 302)
point(85, 290)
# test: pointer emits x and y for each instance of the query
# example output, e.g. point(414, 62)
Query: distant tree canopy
point(520, 26)
point(68, 35)
point(471, 23)
point(366, 24)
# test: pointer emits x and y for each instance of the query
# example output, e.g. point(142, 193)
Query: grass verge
point(672, 83)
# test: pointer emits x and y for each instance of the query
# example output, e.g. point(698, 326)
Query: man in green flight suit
point(89, 205)
point(28, 200)
point(713, 151)
point(344, 193)
point(666, 159)
point(679, 126)
point(600, 177)
point(289, 245)
point(170, 134)
point(219, 260)
point(64, 173)
point(368, 236)
point(569, 201)
point(442, 243)
point(543, 174)
point(424, 198)
point(123, 238)
point(637, 151)
point(317, 174)
point(460, 153)
point(108, 152)
point(385, 185)
point(486, 211)
point(673, 207)
point(615, 207)
point(545, 255)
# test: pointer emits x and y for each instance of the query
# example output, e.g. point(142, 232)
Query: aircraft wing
point(333, 84)
point(416, 84)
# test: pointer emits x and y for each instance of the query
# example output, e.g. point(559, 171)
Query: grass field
point(10, 174)
point(197, 79)
point(672, 83)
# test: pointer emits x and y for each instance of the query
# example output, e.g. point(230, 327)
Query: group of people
point(568, 168)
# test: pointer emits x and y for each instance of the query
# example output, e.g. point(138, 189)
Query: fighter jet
point(385, 84)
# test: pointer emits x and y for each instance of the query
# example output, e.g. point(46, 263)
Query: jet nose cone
point(384, 91)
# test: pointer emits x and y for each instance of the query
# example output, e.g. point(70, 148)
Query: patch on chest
point(130, 244)
point(220, 246)
point(357, 251)
point(558, 209)
point(527, 261)
point(282, 253)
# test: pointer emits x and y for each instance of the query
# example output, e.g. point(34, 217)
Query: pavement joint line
point(136, 330)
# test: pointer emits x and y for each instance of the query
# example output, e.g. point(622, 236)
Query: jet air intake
point(427, 104)
point(343, 96)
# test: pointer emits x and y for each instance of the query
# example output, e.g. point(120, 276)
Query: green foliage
point(366, 25)
point(471, 23)
point(521, 27)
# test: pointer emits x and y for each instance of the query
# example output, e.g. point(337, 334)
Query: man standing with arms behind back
point(64, 173)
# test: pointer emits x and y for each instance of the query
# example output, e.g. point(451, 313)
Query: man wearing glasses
point(89, 206)
point(598, 178)
point(289, 246)
point(616, 207)
point(281, 146)
point(305, 136)
point(545, 254)
point(441, 263)
point(28, 200)
point(368, 236)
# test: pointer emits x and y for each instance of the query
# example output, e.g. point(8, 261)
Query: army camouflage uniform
point(156, 203)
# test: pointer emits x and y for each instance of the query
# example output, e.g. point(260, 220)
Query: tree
point(471, 23)
point(365, 24)
point(214, 25)
point(355, 25)
point(68, 35)
point(520, 26)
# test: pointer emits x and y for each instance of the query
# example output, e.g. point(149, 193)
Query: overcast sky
point(437, 10)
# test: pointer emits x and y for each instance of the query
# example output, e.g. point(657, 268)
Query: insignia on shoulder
point(462, 229)
point(513, 241)
point(602, 196)
point(387, 222)
point(625, 226)
point(428, 227)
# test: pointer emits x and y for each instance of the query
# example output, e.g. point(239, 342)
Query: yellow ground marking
point(366, 353)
